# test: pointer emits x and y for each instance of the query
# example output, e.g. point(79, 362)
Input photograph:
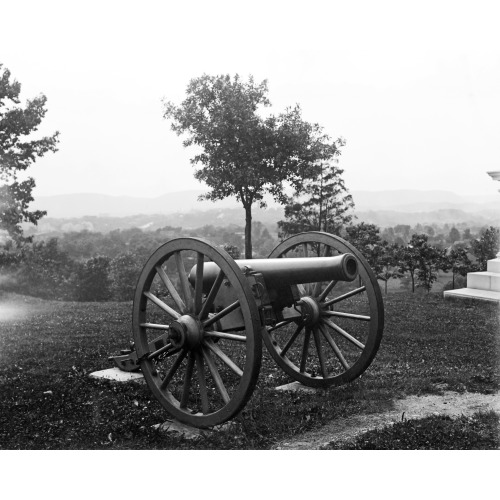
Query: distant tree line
point(88, 266)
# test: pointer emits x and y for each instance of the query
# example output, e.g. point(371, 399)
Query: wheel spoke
point(162, 305)
point(211, 295)
point(187, 380)
point(305, 348)
point(181, 270)
point(345, 296)
point(221, 314)
point(291, 340)
point(346, 315)
point(280, 324)
point(342, 332)
point(161, 350)
point(215, 375)
point(155, 326)
point(171, 289)
point(327, 290)
point(173, 369)
point(228, 336)
point(333, 345)
point(198, 288)
point(205, 407)
point(229, 362)
point(321, 358)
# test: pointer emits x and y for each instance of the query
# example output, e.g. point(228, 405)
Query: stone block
point(295, 387)
point(479, 281)
point(473, 294)
point(117, 375)
point(493, 266)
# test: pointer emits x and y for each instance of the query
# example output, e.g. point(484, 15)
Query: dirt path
point(345, 429)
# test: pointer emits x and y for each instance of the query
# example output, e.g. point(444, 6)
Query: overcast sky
point(413, 87)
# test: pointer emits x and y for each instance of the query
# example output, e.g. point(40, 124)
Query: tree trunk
point(453, 280)
point(412, 283)
point(386, 286)
point(248, 232)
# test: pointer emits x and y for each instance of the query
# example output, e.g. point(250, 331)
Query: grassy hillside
point(47, 350)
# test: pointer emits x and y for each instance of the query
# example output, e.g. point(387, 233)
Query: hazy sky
point(413, 87)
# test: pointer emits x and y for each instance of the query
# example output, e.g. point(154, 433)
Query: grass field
point(47, 350)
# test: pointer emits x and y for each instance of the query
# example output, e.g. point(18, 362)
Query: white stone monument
point(484, 285)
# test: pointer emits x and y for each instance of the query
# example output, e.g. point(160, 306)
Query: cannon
point(199, 319)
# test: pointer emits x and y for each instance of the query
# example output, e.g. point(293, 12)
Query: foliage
point(93, 282)
point(232, 250)
point(44, 270)
point(486, 247)
point(326, 204)
point(243, 154)
point(366, 238)
point(459, 262)
point(388, 263)
point(18, 150)
point(124, 271)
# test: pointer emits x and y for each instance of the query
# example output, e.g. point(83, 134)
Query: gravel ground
point(345, 429)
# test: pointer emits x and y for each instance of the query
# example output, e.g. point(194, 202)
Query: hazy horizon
point(413, 90)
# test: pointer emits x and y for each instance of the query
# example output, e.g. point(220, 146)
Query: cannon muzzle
point(284, 272)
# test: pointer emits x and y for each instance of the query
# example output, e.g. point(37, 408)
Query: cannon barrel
point(284, 272)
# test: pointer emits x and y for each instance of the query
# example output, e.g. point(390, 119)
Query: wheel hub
point(310, 310)
point(186, 332)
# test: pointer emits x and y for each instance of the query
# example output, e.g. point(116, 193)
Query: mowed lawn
point(48, 349)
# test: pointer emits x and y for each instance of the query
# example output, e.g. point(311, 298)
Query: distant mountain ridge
point(404, 201)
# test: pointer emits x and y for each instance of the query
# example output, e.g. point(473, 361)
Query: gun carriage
point(200, 317)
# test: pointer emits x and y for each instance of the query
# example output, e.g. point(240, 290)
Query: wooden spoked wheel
point(339, 337)
point(201, 376)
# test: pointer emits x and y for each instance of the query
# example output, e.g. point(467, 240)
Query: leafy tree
point(388, 263)
point(93, 281)
point(365, 237)
point(124, 271)
point(18, 150)
point(454, 235)
point(44, 270)
point(486, 247)
point(459, 263)
point(408, 259)
point(326, 204)
point(232, 250)
point(431, 260)
point(243, 154)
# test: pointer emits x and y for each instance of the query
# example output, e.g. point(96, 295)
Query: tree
point(408, 260)
point(486, 247)
point(459, 263)
point(93, 281)
point(365, 238)
point(243, 154)
point(326, 205)
point(388, 263)
point(18, 150)
point(454, 235)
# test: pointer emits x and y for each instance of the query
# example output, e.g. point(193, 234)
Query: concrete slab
point(474, 294)
point(117, 375)
point(479, 281)
point(493, 266)
point(295, 387)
